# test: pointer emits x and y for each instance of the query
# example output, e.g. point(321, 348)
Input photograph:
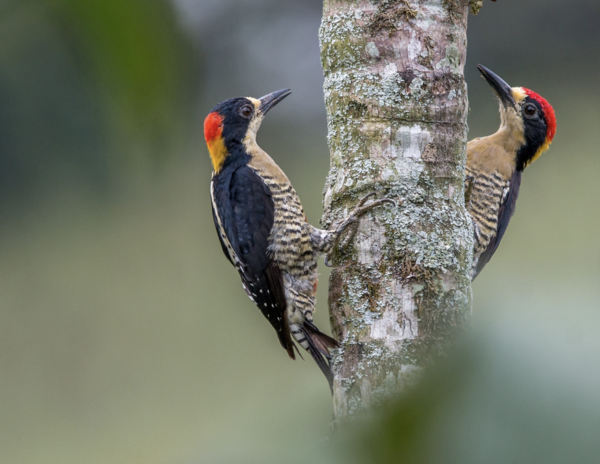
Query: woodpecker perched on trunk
point(495, 163)
point(262, 228)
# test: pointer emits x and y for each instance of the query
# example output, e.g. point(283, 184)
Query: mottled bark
point(397, 106)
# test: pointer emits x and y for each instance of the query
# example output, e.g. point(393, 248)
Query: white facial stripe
point(250, 139)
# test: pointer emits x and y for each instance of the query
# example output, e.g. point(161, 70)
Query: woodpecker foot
point(363, 208)
point(350, 233)
point(351, 221)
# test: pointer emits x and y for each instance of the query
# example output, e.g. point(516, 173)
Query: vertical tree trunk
point(397, 106)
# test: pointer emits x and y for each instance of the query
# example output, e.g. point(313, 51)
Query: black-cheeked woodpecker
point(262, 228)
point(495, 163)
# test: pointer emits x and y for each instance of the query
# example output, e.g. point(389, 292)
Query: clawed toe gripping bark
point(352, 221)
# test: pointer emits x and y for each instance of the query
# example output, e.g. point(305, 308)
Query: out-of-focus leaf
point(139, 60)
point(518, 395)
point(89, 87)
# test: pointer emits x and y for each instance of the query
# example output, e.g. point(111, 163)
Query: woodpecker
point(495, 163)
point(262, 228)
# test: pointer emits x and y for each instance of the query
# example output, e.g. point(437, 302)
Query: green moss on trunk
point(397, 105)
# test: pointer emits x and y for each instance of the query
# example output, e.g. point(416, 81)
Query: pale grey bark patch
point(397, 104)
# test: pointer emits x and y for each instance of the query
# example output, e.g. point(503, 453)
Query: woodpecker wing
point(223, 244)
point(507, 208)
point(243, 210)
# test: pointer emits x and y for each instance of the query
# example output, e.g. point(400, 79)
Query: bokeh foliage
point(136, 56)
point(89, 89)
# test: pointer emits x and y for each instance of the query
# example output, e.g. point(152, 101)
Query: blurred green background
point(125, 336)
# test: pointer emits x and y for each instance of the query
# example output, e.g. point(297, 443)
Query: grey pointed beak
point(270, 100)
point(502, 89)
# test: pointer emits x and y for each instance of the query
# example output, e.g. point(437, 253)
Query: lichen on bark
point(475, 5)
point(396, 104)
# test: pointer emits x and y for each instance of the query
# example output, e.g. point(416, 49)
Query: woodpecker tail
point(318, 345)
point(285, 338)
point(323, 342)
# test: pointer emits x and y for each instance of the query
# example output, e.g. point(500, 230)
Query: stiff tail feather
point(285, 338)
point(318, 347)
point(323, 342)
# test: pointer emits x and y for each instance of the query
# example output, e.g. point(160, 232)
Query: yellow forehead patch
point(518, 94)
point(255, 102)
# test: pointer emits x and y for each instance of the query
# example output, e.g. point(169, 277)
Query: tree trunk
point(397, 106)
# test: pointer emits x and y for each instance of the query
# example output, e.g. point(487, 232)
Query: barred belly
point(291, 248)
point(484, 207)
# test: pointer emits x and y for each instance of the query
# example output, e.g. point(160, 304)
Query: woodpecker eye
point(246, 111)
point(530, 110)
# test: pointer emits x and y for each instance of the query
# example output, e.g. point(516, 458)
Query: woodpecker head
point(232, 125)
point(528, 118)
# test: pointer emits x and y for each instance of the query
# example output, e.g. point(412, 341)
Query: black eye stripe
point(535, 132)
point(529, 102)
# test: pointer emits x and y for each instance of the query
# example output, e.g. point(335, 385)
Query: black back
point(246, 209)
